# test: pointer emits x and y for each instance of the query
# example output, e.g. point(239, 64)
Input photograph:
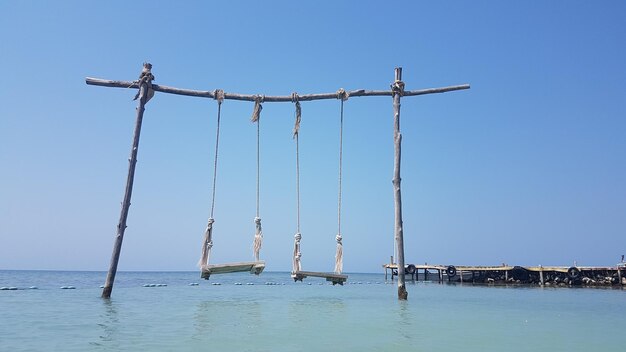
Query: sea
point(178, 311)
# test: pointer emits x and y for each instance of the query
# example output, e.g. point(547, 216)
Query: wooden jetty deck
point(507, 274)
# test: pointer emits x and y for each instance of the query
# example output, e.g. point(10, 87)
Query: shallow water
point(272, 313)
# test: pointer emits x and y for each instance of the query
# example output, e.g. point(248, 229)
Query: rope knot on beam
point(218, 95)
point(295, 99)
point(342, 94)
point(145, 77)
point(398, 87)
point(256, 113)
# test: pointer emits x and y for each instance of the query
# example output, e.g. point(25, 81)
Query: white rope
point(297, 254)
point(208, 244)
point(208, 233)
point(338, 238)
point(258, 236)
point(217, 144)
point(339, 255)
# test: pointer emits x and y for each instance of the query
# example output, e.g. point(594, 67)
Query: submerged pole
point(397, 89)
point(145, 93)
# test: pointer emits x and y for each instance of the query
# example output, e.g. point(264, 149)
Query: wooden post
point(121, 227)
point(440, 272)
point(619, 275)
point(541, 282)
point(397, 90)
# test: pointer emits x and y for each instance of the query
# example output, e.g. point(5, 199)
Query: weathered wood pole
point(132, 161)
point(397, 89)
point(619, 275)
point(541, 281)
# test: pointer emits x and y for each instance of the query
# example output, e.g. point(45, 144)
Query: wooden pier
point(507, 274)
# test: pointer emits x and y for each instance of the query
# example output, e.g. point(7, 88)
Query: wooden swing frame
point(147, 90)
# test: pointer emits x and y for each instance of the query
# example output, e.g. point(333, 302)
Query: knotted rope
point(145, 77)
point(208, 244)
point(341, 94)
point(256, 113)
point(339, 255)
point(258, 236)
point(397, 87)
point(296, 128)
point(208, 233)
point(297, 254)
point(218, 95)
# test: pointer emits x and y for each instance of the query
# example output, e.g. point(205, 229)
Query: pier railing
point(508, 274)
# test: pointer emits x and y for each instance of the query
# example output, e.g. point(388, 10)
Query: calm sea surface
point(272, 313)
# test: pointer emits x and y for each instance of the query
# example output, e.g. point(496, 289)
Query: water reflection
point(312, 318)
point(224, 318)
point(109, 325)
point(405, 316)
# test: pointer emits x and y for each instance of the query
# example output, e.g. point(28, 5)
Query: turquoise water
point(246, 314)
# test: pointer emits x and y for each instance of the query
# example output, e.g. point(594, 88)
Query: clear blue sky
point(528, 167)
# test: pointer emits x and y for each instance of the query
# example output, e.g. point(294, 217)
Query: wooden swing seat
point(253, 267)
point(332, 277)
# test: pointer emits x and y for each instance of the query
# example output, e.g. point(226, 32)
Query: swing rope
point(258, 236)
point(343, 96)
point(208, 233)
point(298, 236)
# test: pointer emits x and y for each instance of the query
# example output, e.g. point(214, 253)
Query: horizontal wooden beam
point(269, 98)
